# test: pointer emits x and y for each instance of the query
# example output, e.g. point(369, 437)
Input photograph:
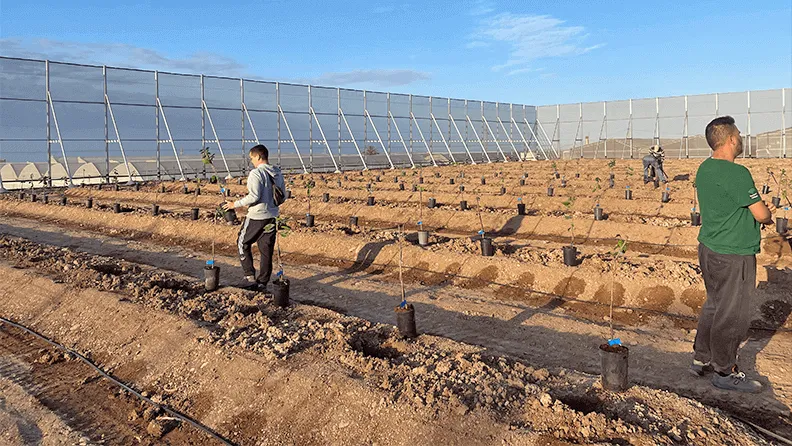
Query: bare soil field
point(508, 351)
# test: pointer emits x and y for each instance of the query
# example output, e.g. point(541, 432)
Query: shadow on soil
point(534, 344)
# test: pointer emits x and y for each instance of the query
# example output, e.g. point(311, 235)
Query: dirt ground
point(500, 333)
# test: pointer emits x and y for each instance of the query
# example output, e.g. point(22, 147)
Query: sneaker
point(699, 368)
point(736, 380)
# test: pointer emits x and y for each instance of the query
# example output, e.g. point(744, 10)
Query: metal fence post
point(783, 123)
point(310, 131)
point(278, 108)
point(686, 130)
point(157, 123)
point(49, 130)
point(750, 146)
point(106, 130)
point(242, 116)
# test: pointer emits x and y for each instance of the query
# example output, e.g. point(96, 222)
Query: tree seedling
point(309, 185)
point(569, 204)
point(619, 251)
point(283, 226)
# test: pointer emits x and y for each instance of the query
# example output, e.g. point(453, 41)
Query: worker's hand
point(770, 207)
point(229, 206)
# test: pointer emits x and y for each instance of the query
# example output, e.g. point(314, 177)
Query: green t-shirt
point(725, 190)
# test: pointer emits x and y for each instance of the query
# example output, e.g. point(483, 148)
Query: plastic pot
point(115, 187)
point(487, 250)
point(557, 175)
point(782, 225)
point(461, 187)
point(437, 174)
point(377, 179)
point(612, 176)
point(162, 189)
point(777, 202)
point(765, 189)
point(154, 210)
point(461, 174)
point(194, 213)
point(522, 182)
point(63, 200)
point(338, 183)
point(503, 191)
point(401, 186)
point(137, 187)
point(239, 181)
point(614, 367)
point(550, 191)
point(280, 292)
point(656, 183)
point(695, 219)
point(432, 203)
point(45, 199)
point(370, 201)
point(570, 255)
point(483, 180)
point(415, 188)
point(597, 213)
point(32, 198)
point(563, 183)
point(611, 183)
point(117, 208)
point(577, 175)
point(420, 180)
point(463, 205)
point(197, 191)
point(395, 179)
point(628, 194)
point(185, 190)
point(405, 321)
point(450, 181)
point(309, 220)
point(230, 216)
point(288, 193)
point(325, 197)
point(211, 277)
point(520, 208)
point(353, 221)
point(423, 238)
point(666, 197)
point(21, 196)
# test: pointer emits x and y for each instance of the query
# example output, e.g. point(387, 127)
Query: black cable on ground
point(171, 412)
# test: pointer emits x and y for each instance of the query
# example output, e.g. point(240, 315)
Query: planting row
point(448, 378)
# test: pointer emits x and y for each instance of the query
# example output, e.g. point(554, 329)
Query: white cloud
point(480, 7)
point(378, 78)
point(532, 37)
point(120, 54)
point(477, 44)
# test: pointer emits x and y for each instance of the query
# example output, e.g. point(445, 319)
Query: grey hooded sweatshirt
point(259, 199)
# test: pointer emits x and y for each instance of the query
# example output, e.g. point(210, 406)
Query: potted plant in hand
point(280, 285)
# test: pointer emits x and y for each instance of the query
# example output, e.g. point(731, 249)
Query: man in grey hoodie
point(262, 212)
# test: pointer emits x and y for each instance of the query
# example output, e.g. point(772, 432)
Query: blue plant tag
point(279, 273)
point(210, 263)
point(222, 190)
point(519, 199)
point(613, 342)
point(420, 222)
point(481, 232)
point(403, 304)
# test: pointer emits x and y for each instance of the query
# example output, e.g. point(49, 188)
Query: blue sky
point(523, 52)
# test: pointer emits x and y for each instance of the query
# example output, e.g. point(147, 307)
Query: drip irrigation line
point(764, 431)
point(88, 362)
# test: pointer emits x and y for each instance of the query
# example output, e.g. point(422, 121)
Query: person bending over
point(653, 165)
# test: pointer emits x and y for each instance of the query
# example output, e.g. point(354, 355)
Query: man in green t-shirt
point(731, 213)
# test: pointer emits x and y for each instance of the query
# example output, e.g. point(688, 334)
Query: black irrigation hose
point(171, 412)
point(764, 431)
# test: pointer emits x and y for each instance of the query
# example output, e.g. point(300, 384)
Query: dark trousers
point(653, 167)
point(726, 315)
point(254, 231)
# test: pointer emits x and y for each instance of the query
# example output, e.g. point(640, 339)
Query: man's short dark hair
point(261, 151)
point(719, 130)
